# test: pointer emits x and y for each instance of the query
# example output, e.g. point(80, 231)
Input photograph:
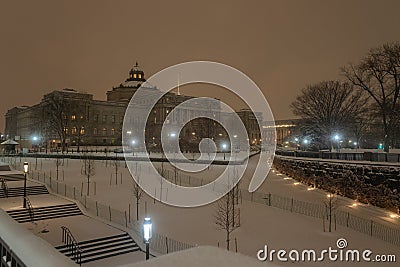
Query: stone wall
point(374, 184)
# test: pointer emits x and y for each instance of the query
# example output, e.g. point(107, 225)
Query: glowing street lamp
point(26, 170)
point(147, 234)
point(133, 142)
point(224, 147)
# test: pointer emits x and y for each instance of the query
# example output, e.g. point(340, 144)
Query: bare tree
point(88, 170)
point(331, 205)
point(58, 164)
point(378, 74)
point(328, 107)
point(116, 164)
point(55, 111)
point(225, 216)
point(137, 191)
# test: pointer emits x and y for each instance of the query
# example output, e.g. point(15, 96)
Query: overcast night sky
point(91, 45)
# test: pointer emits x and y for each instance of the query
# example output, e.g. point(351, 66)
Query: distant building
point(85, 121)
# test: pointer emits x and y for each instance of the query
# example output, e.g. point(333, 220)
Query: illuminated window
point(81, 117)
point(140, 76)
point(134, 75)
point(73, 131)
point(73, 117)
point(104, 131)
point(82, 131)
point(112, 131)
point(66, 130)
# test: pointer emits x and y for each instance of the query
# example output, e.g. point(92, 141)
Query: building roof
point(9, 142)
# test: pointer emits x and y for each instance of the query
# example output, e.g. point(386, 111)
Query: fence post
point(291, 209)
point(97, 209)
point(166, 244)
point(74, 193)
point(109, 210)
point(347, 219)
point(129, 213)
point(269, 200)
point(85, 201)
point(65, 189)
point(126, 220)
point(372, 223)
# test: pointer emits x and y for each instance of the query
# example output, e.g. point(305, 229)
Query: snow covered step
point(45, 213)
point(19, 191)
point(13, 177)
point(104, 247)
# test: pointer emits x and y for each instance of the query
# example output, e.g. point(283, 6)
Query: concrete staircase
point(19, 191)
point(45, 213)
point(101, 248)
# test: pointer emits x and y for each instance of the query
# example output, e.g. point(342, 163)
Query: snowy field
point(260, 225)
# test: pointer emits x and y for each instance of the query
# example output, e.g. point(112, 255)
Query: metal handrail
point(72, 245)
point(4, 186)
point(30, 209)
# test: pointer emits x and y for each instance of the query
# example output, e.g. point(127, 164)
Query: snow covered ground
point(260, 225)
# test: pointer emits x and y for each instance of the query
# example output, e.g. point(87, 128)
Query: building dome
point(136, 74)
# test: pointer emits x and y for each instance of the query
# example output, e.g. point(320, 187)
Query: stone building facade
point(84, 121)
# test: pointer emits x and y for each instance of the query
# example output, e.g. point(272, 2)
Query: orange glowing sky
point(91, 45)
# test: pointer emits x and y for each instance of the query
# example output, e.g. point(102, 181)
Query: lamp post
point(133, 142)
point(147, 234)
point(337, 137)
point(224, 146)
point(26, 170)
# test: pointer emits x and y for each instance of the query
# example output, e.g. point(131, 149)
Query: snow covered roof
point(9, 142)
point(201, 256)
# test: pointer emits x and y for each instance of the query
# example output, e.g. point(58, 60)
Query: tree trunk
point(88, 182)
point(227, 240)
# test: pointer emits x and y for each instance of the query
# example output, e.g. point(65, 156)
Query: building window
point(104, 131)
point(134, 75)
point(95, 131)
point(82, 131)
point(112, 131)
point(73, 131)
point(96, 117)
point(140, 76)
point(73, 117)
point(113, 118)
point(81, 117)
point(66, 130)
point(121, 119)
point(104, 118)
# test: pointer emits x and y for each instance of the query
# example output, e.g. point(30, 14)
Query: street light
point(337, 139)
point(26, 170)
point(133, 142)
point(224, 146)
point(147, 234)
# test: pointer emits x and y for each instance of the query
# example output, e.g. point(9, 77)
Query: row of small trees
point(368, 95)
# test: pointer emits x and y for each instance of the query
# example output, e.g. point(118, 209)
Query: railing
point(4, 186)
point(72, 245)
point(8, 256)
point(30, 209)
point(348, 155)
